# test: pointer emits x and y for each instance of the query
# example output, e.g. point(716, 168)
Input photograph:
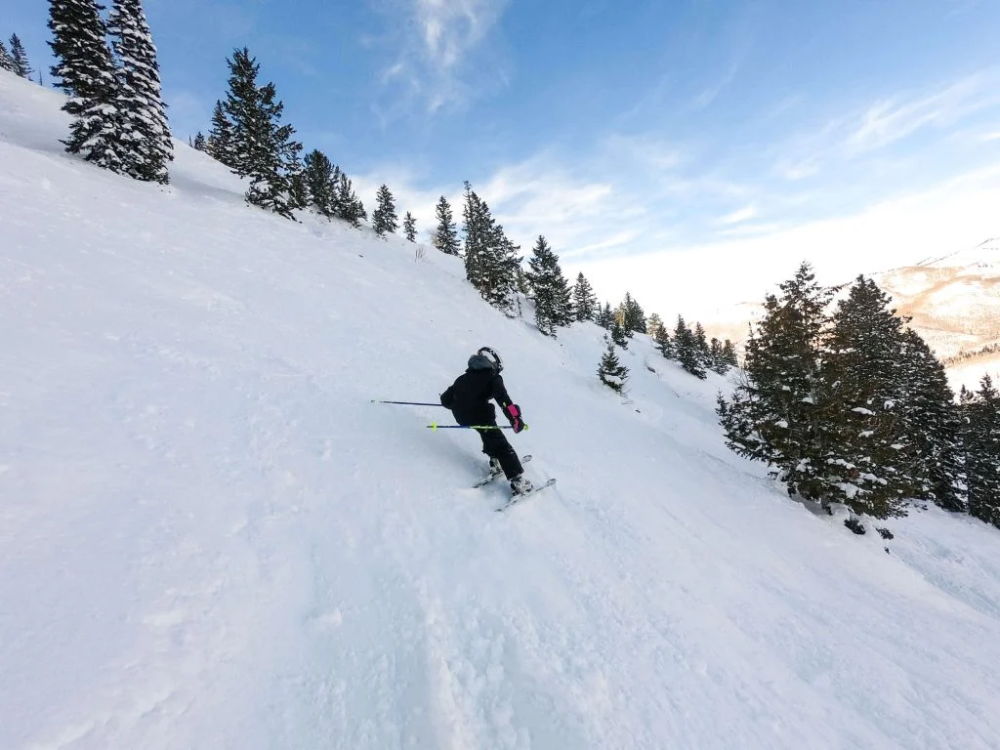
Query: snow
point(209, 537)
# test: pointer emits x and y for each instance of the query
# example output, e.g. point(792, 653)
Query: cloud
point(738, 217)
point(710, 94)
point(434, 65)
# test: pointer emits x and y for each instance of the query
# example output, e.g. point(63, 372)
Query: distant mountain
point(953, 301)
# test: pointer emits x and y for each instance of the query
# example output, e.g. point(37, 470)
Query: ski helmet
point(492, 356)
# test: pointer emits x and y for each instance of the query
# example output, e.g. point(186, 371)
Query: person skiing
point(469, 400)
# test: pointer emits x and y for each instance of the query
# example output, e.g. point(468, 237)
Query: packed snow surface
point(210, 538)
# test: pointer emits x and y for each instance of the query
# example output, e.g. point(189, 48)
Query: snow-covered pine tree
point(870, 462)
point(320, 186)
point(549, 288)
point(263, 150)
point(142, 113)
point(619, 335)
point(410, 227)
point(775, 413)
point(499, 266)
point(384, 218)
point(729, 354)
point(298, 191)
point(686, 349)
point(446, 235)
point(348, 204)
point(981, 447)
point(220, 138)
point(704, 349)
point(653, 324)
point(665, 345)
point(6, 61)
point(477, 226)
point(585, 304)
point(85, 70)
point(611, 371)
point(19, 58)
point(716, 361)
point(933, 423)
point(199, 141)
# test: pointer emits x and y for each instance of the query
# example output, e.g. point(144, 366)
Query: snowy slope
point(209, 538)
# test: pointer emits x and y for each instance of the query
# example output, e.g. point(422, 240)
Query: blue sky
point(623, 130)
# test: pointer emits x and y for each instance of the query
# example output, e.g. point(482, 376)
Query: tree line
point(848, 405)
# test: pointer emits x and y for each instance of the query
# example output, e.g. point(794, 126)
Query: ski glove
point(513, 412)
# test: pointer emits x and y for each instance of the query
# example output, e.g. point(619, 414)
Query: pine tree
point(716, 361)
point(85, 70)
point(687, 350)
point(491, 260)
point(585, 305)
point(729, 354)
point(870, 461)
point(664, 344)
point(262, 150)
point(20, 58)
point(611, 371)
point(199, 141)
point(298, 190)
point(6, 61)
point(478, 228)
point(549, 288)
point(349, 205)
point(932, 423)
point(605, 318)
point(653, 324)
point(384, 217)
point(220, 138)
point(619, 335)
point(981, 446)
point(143, 120)
point(319, 183)
point(633, 319)
point(445, 236)
point(775, 414)
point(701, 341)
point(410, 227)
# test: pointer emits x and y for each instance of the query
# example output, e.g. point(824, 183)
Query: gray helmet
point(486, 359)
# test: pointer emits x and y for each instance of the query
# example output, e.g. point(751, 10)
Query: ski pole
point(436, 426)
point(405, 403)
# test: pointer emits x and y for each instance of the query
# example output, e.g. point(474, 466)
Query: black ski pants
point(495, 445)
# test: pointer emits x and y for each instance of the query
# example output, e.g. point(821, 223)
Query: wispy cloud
point(710, 94)
point(434, 65)
point(738, 217)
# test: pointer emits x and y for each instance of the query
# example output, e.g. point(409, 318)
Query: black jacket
point(469, 397)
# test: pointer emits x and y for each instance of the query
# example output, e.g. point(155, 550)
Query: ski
point(491, 477)
point(516, 499)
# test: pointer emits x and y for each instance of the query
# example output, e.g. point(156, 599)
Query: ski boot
point(520, 485)
point(495, 469)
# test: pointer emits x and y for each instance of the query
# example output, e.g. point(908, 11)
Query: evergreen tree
point(701, 341)
point(932, 422)
point(220, 138)
point(445, 236)
point(142, 113)
point(349, 205)
point(319, 186)
point(716, 361)
point(19, 58)
point(775, 414)
point(478, 228)
point(85, 70)
point(687, 351)
point(6, 61)
point(298, 190)
point(611, 371)
point(605, 318)
point(199, 142)
point(633, 319)
point(729, 354)
point(981, 446)
point(410, 227)
point(661, 336)
point(585, 305)
point(384, 217)
point(619, 335)
point(491, 260)
point(653, 324)
point(263, 150)
point(549, 288)
point(870, 462)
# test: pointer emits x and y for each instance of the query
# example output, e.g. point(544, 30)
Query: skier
point(469, 400)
